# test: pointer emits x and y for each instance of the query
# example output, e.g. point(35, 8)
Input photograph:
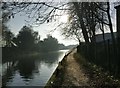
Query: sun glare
point(64, 18)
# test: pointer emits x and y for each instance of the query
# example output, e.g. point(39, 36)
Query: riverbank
point(74, 70)
point(58, 75)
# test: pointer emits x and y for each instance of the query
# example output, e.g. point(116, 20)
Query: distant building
point(3, 44)
point(99, 37)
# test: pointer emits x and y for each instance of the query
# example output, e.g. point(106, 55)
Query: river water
point(31, 71)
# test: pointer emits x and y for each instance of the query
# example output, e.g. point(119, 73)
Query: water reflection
point(31, 71)
point(26, 67)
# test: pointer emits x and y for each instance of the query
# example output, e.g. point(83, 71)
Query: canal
point(31, 71)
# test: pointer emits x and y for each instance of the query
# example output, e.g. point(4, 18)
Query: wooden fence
point(105, 54)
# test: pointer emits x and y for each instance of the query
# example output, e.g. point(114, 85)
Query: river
point(31, 71)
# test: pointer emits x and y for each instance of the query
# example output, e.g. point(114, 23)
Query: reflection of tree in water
point(52, 58)
point(26, 67)
point(9, 74)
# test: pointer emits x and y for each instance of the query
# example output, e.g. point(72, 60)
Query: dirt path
point(74, 75)
point(81, 74)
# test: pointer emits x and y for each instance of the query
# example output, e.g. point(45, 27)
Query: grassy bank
point(56, 79)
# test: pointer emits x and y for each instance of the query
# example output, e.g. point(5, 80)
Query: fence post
point(118, 55)
point(108, 54)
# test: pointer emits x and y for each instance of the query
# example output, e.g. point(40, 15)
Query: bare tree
point(104, 9)
point(7, 35)
point(37, 12)
point(79, 12)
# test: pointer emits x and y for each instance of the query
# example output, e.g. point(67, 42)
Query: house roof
point(117, 7)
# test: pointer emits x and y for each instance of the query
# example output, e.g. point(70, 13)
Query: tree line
point(29, 40)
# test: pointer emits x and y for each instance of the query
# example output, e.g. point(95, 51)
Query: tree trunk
point(80, 16)
point(110, 23)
